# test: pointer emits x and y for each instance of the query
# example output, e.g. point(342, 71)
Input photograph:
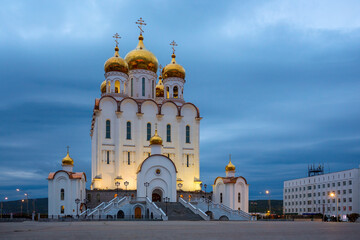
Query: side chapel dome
point(116, 63)
point(173, 69)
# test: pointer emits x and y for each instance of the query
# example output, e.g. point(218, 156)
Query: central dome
point(141, 58)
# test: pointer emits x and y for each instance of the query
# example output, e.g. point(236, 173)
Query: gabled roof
point(72, 175)
point(227, 180)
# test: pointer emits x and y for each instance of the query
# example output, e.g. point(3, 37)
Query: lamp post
point(117, 188)
point(126, 183)
point(180, 186)
point(166, 200)
point(201, 185)
point(333, 195)
point(6, 198)
point(22, 200)
point(27, 200)
point(77, 201)
point(146, 184)
point(268, 193)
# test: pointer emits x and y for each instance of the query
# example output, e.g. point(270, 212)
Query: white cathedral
point(145, 136)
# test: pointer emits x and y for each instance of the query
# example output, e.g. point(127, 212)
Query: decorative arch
point(131, 99)
point(140, 166)
point(171, 102)
point(149, 101)
point(189, 103)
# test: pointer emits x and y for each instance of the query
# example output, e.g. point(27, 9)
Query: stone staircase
point(176, 211)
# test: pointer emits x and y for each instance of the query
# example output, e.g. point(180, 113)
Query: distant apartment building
point(319, 193)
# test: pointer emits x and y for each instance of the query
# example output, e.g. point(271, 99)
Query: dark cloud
point(278, 88)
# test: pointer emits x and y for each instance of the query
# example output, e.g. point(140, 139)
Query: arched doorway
point(138, 213)
point(156, 195)
point(120, 214)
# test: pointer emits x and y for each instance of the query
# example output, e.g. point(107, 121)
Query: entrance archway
point(120, 214)
point(138, 213)
point(156, 195)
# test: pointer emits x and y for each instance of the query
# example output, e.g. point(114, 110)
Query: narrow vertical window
point(143, 87)
point(221, 198)
point(152, 89)
point(187, 160)
point(62, 194)
point(176, 92)
point(239, 197)
point(168, 155)
point(168, 133)
point(108, 127)
point(98, 197)
point(187, 134)
point(62, 209)
point(128, 130)
point(129, 158)
point(167, 92)
point(148, 131)
point(132, 87)
point(107, 157)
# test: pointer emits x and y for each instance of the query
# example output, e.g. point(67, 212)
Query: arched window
point(117, 86)
point(62, 194)
point(128, 130)
point(98, 197)
point(153, 89)
point(175, 92)
point(107, 157)
point(221, 198)
point(143, 87)
point(239, 197)
point(62, 209)
point(129, 160)
point(108, 127)
point(167, 92)
point(132, 87)
point(168, 133)
point(108, 86)
point(148, 131)
point(187, 134)
point(187, 160)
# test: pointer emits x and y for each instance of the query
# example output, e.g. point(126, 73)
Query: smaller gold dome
point(230, 167)
point(156, 139)
point(160, 88)
point(67, 160)
point(173, 69)
point(141, 58)
point(116, 63)
point(103, 87)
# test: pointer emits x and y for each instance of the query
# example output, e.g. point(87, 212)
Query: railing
point(97, 208)
point(113, 202)
point(195, 210)
point(152, 206)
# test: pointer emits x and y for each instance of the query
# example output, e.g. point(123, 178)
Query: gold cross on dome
point(160, 68)
point(67, 147)
point(141, 23)
point(116, 36)
point(173, 44)
point(155, 126)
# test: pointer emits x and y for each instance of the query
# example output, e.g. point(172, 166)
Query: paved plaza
point(179, 230)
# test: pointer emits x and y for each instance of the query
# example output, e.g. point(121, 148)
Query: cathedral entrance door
point(156, 195)
point(138, 213)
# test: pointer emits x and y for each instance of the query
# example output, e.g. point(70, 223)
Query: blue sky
point(277, 83)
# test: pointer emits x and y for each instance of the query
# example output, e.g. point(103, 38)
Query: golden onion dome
point(173, 69)
point(103, 87)
point(116, 63)
point(230, 167)
point(141, 58)
point(160, 88)
point(67, 160)
point(156, 139)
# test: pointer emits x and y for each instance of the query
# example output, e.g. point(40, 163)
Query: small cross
point(141, 23)
point(155, 126)
point(160, 68)
point(67, 147)
point(230, 157)
point(116, 36)
point(173, 44)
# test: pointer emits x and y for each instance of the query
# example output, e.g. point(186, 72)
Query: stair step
point(176, 211)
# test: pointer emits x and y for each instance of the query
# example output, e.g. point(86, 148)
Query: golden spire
point(67, 160)
point(230, 166)
point(156, 139)
point(141, 23)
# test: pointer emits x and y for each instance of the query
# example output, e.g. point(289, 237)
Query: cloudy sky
point(277, 83)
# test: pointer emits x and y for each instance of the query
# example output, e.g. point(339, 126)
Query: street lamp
point(27, 200)
point(117, 188)
point(6, 198)
point(126, 184)
point(268, 193)
point(166, 200)
point(22, 200)
point(180, 186)
point(206, 199)
point(146, 184)
point(77, 201)
point(333, 195)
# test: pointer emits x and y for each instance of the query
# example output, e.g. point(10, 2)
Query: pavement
point(174, 230)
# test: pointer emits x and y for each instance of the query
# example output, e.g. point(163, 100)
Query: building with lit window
point(329, 194)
